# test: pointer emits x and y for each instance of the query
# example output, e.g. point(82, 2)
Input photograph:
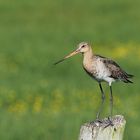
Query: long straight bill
point(70, 55)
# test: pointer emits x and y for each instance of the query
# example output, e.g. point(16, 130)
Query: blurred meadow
point(39, 101)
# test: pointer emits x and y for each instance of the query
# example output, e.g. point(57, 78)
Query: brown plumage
point(101, 69)
point(116, 71)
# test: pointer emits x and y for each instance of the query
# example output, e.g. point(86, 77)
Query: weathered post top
point(99, 131)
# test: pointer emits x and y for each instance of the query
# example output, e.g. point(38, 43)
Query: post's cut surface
point(98, 130)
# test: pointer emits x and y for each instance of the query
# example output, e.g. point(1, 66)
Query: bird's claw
point(96, 122)
point(109, 122)
point(105, 123)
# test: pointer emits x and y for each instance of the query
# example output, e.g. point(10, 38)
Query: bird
point(101, 69)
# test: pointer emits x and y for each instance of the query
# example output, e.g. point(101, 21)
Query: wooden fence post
point(97, 130)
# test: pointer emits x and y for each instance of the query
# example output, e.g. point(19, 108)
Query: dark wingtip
point(128, 81)
point(130, 75)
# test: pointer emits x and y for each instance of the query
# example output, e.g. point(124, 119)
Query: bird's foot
point(96, 122)
point(109, 122)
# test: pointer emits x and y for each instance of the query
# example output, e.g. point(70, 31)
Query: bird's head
point(83, 47)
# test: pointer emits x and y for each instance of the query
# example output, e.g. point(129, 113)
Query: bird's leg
point(110, 123)
point(111, 102)
point(101, 106)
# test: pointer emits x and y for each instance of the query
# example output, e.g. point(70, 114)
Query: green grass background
point(39, 101)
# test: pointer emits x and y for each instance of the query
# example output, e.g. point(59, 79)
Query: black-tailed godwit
point(101, 69)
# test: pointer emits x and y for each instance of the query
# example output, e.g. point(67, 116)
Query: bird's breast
point(97, 69)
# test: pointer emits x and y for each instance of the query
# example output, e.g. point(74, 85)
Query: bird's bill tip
point(59, 61)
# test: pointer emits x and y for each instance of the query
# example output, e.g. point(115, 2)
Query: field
point(39, 101)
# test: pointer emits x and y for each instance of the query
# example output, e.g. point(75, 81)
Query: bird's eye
point(83, 46)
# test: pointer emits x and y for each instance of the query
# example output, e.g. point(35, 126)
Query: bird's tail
point(126, 77)
point(130, 75)
point(127, 81)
